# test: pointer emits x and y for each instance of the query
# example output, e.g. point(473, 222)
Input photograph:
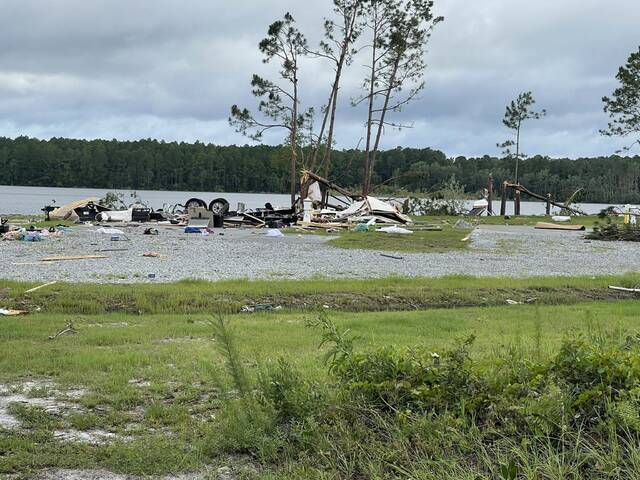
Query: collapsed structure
point(326, 205)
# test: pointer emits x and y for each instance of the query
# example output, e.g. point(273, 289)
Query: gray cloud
point(170, 69)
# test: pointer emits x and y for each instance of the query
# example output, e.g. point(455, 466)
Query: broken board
point(553, 226)
point(72, 257)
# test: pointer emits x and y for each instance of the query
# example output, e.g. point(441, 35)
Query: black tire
point(195, 202)
point(219, 206)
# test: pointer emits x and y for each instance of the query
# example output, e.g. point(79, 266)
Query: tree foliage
point(279, 104)
point(623, 107)
point(157, 165)
point(516, 113)
point(398, 32)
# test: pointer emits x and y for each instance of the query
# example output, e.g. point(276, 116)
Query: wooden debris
point(11, 312)
point(395, 257)
point(262, 222)
point(326, 226)
point(41, 286)
point(72, 257)
point(151, 254)
point(553, 226)
point(68, 329)
point(623, 289)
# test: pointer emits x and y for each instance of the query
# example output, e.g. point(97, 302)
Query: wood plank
point(553, 226)
point(72, 257)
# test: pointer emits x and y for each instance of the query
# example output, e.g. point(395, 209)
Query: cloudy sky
point(170, 69)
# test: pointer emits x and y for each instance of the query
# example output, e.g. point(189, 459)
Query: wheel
point(219, 206)
point(195, 202)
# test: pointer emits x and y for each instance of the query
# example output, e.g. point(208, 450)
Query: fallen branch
point(395, 257)
point(68, 329)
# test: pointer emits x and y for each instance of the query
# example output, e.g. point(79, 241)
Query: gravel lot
point(494, 251)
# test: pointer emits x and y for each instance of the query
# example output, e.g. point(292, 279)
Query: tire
point(195, 202)
point(219, 206)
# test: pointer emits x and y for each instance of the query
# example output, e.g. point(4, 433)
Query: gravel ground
point(494, 251)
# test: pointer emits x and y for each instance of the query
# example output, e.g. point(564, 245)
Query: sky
point(171, 69)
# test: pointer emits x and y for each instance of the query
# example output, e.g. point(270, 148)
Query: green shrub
point(413, 413)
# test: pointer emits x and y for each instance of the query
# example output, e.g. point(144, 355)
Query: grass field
point(587, 220)
point(448, 239)
point(154, 375)
point(191, 296)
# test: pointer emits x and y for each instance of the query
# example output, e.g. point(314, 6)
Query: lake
point(29, 200)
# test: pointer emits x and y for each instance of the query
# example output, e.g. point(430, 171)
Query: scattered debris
point(12, 313)
point(394, 229)
point(72, 257)
point(139, 382)
point(67, 330)
point(34, 289)
point(623, 289)
point(110, 231)
point(553, 226)
point(512, 302)
point(462, 225)
point(479, 208)
point(259, 307)
point(67, 211)
point(395, 257)
point(274, 232)
point(613, 232)
point(151, 254)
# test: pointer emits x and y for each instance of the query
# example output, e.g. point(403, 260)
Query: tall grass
point(416, 413)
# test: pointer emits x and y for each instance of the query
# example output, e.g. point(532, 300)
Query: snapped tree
point(399, 31)
point(623, 107)
point(517, 112)
point(279, 104)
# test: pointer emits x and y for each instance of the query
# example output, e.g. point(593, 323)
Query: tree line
point(157, 165)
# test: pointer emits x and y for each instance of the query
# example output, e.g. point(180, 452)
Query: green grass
point(418, 242)
point(37, 221)
point(523, 220)
point(392, 293)
point(111, 349)
point(172, 422)
point(446, 240)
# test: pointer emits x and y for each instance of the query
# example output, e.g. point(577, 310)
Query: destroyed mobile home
point(321, 205)
point(325, 206)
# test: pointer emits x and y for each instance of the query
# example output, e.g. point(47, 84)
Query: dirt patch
point(180, 340)
point(53, 401)
point(92, 437)
point(360, 302)
point(222, 473)
point(42, 394)
point(111, 325)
